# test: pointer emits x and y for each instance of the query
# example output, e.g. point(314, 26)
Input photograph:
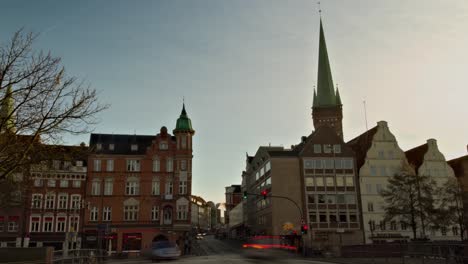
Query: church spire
point(6, 111)
point(325, 88)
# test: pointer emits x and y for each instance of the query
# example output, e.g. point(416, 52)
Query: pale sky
point(247, 69)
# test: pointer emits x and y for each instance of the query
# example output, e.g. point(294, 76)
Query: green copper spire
point(184, 124)
point(315, 103)
point(6, 111)
point(338, 98)
point(325, 89)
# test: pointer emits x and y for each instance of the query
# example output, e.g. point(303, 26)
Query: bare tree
point(450, 211)
point(39, 102)
point(408, 197)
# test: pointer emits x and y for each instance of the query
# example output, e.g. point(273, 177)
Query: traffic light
point(264, 194)
point(304, 229)
point(245, 195)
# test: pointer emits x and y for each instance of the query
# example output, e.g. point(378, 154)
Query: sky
point(247, 69)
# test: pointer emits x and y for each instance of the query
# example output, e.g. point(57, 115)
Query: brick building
point(233, 196)
point(54, 215)
point(139, 188)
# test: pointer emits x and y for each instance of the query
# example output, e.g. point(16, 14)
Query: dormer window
point(79, 163)
point(134, 147)
point(163, 145)
point(98, 146)
point(111, 146)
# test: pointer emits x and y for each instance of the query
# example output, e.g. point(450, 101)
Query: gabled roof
point(415, 156)
point(457, 164)
point(361, 145)
point(122, 143)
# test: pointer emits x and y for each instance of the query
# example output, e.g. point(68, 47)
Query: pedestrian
point(186, 246)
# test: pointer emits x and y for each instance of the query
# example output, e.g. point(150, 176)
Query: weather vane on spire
point(320, 9)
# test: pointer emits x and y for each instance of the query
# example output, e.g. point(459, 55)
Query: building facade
point(54, 217)
point(460, 167)
point(139, 188)
point(233, 196)
point(429, 161)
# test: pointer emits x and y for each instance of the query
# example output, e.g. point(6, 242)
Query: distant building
point(200, 213)
point(139, 188)
point(236, 222)
point(233, 198)
point(429, 161)
point(460, 167)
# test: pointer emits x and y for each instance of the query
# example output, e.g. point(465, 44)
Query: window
point(331, 199)
point(51, 183)
point(309, 182)
point(183, 187)
point(370, 207)
point(155, 187)
point(169, 186)
point(62, 201)
point(79, 163)
point(323, 217)
point(183, 141)
point(132, 187)
point(97, 165)
point(390, 154)
point(372, 224)
point(393, 225)
point(134, 147)
point(383, 171)
point(182, 211)
point(373, 171)
point(155, 213)
point(96, 187)
point(340, 198)
point(339, 164)
point(35, 225)
point(378, 188)
point(133, 165)
point(382, 225)
point(183, 165)
point(330, 181)
point(347, 164)
point(98, 146)
point(38, 183)
point(349, 181)
point(48, 224)
point(56, 164)
point(76, 184)
point(317, 148)
point(403, 226)
point(443, 230)
point(350, 199)
point(455, 231)
point(337, 148)
point(111, 146)
point(169, 165)
point(319, 181)
point(61, 221)
point(381, 154)
point(342, 217)
point(110, 165)
point(313, 217)
point(66, 165)
point(332, 217)
point(107, 213)
point(49, 201)
point(156, 165)
point(327, 148)
point(13, 226)
point(328, 164)
point(339, 181)
point(368, 188)
point(74, 223)
point(318, 164)
point(63, 183)
point(311, 198)
point(75, 201)
point(37, 200)
point(130, 212)
point(163, 145)
point(321, 198)
point(353, 217)
point(267, 167)
point(108, 186)
point(93, 215)
point(268, 182)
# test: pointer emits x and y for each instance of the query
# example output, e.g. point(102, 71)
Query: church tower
point(327, 107)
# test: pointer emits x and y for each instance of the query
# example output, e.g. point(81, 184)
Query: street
point(211, 250)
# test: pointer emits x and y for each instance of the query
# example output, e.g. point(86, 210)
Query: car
point(267, 247)
point(199, 236)
point(164, 250)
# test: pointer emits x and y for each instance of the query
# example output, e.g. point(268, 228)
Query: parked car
point(164, 250)
point(199, 236)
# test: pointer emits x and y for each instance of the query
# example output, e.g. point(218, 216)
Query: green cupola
point(184, 124)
